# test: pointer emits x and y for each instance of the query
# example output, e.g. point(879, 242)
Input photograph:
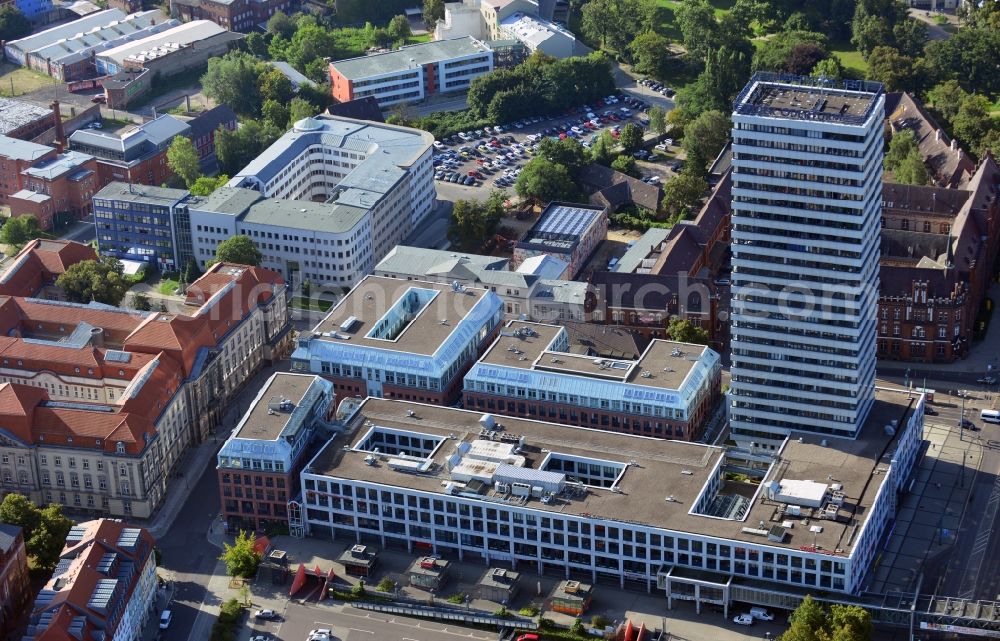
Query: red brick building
point(59, 185)
point(135, 154)
point(235, 15)
point(259, 465)
point(15, 583)
point(39, 264)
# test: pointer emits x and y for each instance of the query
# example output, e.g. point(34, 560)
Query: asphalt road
point(188, 556)
point(349, 624)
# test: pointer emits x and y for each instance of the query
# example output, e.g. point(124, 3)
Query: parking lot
point(493, 157)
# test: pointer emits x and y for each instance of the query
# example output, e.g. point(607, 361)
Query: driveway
point(934, 30)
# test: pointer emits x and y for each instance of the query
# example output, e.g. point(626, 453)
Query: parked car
point(165, 618)
point(268, 615)
point(968, 425)
point(743, 619)
point(930, 411)
point(98, 98)
point(987, 380)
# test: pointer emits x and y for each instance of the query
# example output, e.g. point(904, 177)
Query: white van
point(990, 416)
point(761, 614)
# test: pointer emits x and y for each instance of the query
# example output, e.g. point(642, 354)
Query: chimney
point(60, 134)
point(937, 135)
point(954, 145)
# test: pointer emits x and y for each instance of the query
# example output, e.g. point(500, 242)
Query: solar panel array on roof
point(102, 595)
point(77, 626)
point(117, 356)
point(107, 562)
point(128, 538)
point(76, 534)
point(568, 221)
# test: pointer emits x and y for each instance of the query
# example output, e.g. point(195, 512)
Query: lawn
point(167, 287)
point(17, 81)
point(317, 305)
point(424, 37)
point(850, 58)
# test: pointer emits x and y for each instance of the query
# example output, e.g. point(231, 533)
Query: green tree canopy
point(616, 23)
point(300, 108)
point(544, 181)
point(240, 558)
point(275, 85)
point(658, 120)
point(699, 29)
point(829, 68)
point(704, 138)
point(13, 23)
point(18, 230)
point(205, 185)
point(650, 54)
point(601, 151)
point(17, 509)
point(946, 98)
point(275, 114)
point(101, 280)
point(567, 152)
point(182, 158)
point(682, 193)
point(812, 622)
point(473, 222)
point(433, 11)
point(631, 138)
point(898, 72)
point(626, 165)
point(234, 79)
point(240, 250)
point(44, 530)
point(399, 28)
point(973, 122)
point(684, 331)
point(235, 149)
point(794, 52)
point(281, 24)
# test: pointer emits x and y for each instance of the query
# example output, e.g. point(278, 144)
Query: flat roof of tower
point(783, 96)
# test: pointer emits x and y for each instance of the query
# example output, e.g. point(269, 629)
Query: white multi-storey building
point(645, 512)
point(410, 74)
point(807, 189)
point(328, 200)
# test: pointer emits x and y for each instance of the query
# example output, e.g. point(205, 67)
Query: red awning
point(262, 546)
point(300, 580)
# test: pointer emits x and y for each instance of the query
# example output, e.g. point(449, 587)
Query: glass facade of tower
point(807, 191)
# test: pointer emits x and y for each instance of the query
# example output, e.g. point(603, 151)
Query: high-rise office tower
point(807, 194)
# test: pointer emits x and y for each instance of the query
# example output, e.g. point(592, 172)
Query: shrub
point(359, 590)
point(597, 621)
point(458, 598)
point(386, 585)
point(528, 611)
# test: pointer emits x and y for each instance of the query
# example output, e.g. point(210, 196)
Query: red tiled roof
point(41, 262)
point(74, 587)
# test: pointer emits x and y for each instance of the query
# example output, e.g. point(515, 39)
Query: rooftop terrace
point(646, 481)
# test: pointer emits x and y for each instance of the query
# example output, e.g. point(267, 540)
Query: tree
point(946, 98)
point(281, 25)
point(792, 51)
point(896, 71)
point(567, 152)
point(191, 271)
point(44, 530)
point(276, 86)
point(16, 509)
point(399, 28)
point(300, 108)
point(601, 151)
point(234, 79)
point(807, 622)
point(275, 114)
point(650, 54)
point(235, 149)
point(972, 122)
point(240, 558)
point(684, 331)
point(48, 540)
point(699, 29)
point(631, 137)
point(182, 158)
point(910, 37)
point(829, 68)
point(433, 11)
point(658, 120)
point(141, 302)
point(473, 222)
point(682, 192)
point(626, 165)
point(902, 144)
point(726, 72)
point(911, 170)
point(102, 281)
point(704, 138)
point(240, 250)
point(13, 23)
point(18, 230)
point(205, 185)
point(616, 23)
point(850, 623)
point(544, 181)
point(256, 44)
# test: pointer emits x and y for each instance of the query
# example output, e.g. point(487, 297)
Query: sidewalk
point(194, 462)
